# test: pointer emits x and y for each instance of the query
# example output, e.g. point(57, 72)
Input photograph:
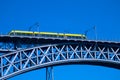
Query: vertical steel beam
point(20, 60)
point(53, 55)
point(49, 73)
point(37, 56)
point(67, 52)
point(95, 50)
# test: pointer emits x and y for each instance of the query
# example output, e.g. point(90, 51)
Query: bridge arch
point(58, 54)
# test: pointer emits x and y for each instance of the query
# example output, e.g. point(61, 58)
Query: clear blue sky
point(74, 16)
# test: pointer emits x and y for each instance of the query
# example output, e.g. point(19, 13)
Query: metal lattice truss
point(49, 55)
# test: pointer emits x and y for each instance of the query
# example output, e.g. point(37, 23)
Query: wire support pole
point(95, 33)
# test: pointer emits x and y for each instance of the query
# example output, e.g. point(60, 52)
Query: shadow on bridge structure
point(47, 53)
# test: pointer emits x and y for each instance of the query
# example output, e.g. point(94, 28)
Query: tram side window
point(54, 36)
point(60, 36)
point(42, 35)
point(27, 34)
point(50, 36)
point(17, 33)
point(47, 35)
point(79, 37)
point(70, 37)
point(24, 34)
point(73, 37)
point(76, 37)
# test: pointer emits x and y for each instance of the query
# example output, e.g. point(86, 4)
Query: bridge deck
point(32, 41)
point(45, 40)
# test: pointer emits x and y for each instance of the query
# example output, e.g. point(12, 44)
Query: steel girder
point(10, 43)
point(50, 55)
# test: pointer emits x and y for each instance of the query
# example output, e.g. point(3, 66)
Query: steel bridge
point(20, 54)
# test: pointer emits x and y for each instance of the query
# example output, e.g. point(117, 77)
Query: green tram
point(47, 34)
